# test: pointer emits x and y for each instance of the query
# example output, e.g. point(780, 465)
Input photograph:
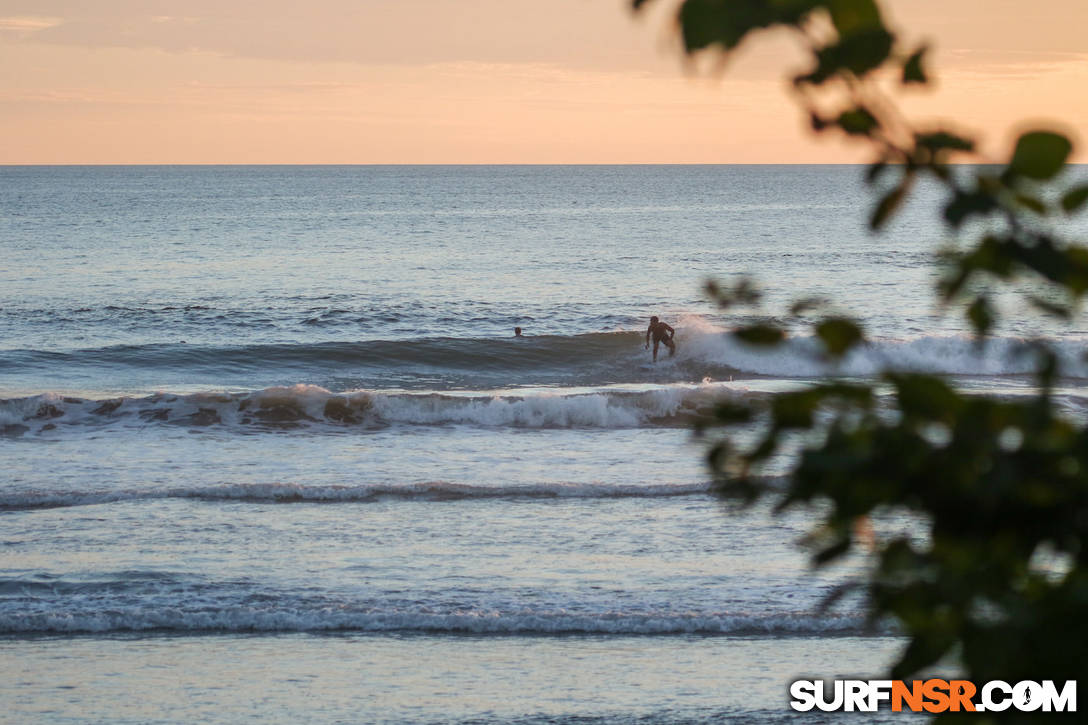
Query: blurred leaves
point(888, 205)
point(1039, 155)
point(937, 141)
point(981, 315)
point(854, 16)
point(760, 334)
point(705, 23)
point(839, 335)
point(857, 122)
point(1074, 199)
point(808, 304)
point(1056, 309)
point(912, 68)
point(993, 480)
point(856, 54)
point(741, 292)
point(967, 203)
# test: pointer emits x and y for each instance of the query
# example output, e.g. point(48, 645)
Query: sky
point(482, 81)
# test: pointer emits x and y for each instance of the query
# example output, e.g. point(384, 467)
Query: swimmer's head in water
point(517, 332)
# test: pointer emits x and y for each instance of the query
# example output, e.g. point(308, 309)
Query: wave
point(293, 493)
point(705, 350)
point(541, 351)
point(309, 405)
point(956, 355)
point(339, 618)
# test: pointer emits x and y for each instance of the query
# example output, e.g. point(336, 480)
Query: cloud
point(1010, 65)
point(375, 31)
point(24, 25)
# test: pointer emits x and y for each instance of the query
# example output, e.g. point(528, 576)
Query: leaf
point(875, 171)
point(1074, 199)
point(852, 16)
point(887, 206)
point(924, 649)
point(832, 552)
point(994, 255)
point(1030, 202)
point(1051, 308)
point(1039, 155)
point(764, 450)
point(942, 140)
point(807, 304)
point(857, 122)
point(1076, 269)
point(968, 203)
point(925, 396)
point(742, 292)
point(839, 335)
point(981, 315)
point(837, 593)
point(704, 23)
point(795, 410)
point(857, 54)
point(746, 292)
point(717, 456)
point(728, 413)
point(912, 69)
point(760, 334)
point(1066, 266)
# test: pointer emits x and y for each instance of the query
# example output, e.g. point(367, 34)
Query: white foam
point(702, 341)
point(16, 410)
point(543, 410)
point(303, 405)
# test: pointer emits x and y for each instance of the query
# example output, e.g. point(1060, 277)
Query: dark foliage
point(997, 577)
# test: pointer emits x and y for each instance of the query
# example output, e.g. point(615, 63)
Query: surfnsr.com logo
point(933, 696)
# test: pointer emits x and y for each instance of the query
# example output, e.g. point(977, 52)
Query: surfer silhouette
point(662, 333)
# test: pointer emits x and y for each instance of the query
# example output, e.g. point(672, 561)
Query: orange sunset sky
point(479, 81)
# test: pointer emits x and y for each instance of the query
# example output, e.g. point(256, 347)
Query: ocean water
point(271, 451)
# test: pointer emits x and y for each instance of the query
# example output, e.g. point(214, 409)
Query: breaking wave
point(799, 358)
point(600, 380)
point(309, 405)
point(430, 353)
point(705, 350)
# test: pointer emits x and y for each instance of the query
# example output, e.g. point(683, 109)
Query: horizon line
point(480, 164)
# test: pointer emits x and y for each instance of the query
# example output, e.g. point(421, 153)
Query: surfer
point(662, 334)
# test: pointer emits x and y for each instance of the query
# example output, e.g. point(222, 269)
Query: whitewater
point(267, 433)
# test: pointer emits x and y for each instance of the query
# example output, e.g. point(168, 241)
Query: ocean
point(273, 453)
